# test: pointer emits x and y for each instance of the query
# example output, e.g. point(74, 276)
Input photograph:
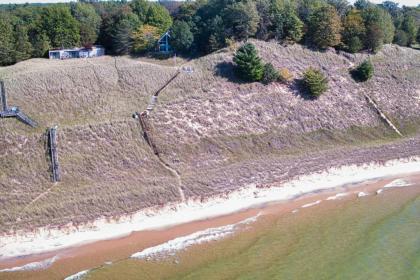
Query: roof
point(77, 49)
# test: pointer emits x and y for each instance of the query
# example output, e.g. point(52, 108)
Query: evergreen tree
point(248, 64)
point(122, 37)
point(270, 74)
point(364, 71)
point(117, 28)
point(216, 38)
point(315, 82)
point(140, 8)
point(181, 36)
point(325, 27)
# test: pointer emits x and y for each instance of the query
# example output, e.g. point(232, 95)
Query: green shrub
point(285, 76)
point(249, 66)
point(270, 74)
point(364, 71)
point(354, 44)
point(315, 82)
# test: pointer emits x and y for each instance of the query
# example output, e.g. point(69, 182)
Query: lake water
point(368, 237)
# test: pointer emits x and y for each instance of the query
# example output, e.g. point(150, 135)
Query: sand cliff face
point(216, 133)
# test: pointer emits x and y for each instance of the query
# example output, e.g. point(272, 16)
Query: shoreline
point(97, 255)
point(47, 240)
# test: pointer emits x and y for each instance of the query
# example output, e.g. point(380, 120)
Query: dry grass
point(218, 133)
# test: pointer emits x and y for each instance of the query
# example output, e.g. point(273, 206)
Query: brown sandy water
point(96, 254)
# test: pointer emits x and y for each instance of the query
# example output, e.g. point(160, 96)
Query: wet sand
point(73, 260)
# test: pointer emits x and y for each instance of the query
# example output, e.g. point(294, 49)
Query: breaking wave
point(32, 266)
point(170, 247)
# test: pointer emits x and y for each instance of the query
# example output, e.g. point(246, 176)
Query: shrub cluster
point(270, 74)
point(364, 71)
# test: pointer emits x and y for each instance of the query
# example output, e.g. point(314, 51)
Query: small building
point(163, 45)
point(93, 51)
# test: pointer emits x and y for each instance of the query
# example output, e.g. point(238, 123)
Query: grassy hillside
point(219, 134)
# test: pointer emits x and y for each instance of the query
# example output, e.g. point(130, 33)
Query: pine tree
point(315, 82)
point(181, 36)
point(248, 64)
point(122, 38)
point(364, 71)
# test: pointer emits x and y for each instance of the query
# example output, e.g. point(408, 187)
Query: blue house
point(163, 45)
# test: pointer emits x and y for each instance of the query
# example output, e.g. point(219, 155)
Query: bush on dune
point(315, 82)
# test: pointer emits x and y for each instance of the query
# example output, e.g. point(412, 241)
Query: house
point(163, 45)
point(93, 51)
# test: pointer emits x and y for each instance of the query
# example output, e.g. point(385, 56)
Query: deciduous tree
point(60, 26)
point(325, 27)
point(241, 19)
point(6, 42)
point(145, 38)
point(158, 16)
point(89, 21)
point(353, 31)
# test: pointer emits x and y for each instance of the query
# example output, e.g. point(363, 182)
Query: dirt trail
point(167, 166)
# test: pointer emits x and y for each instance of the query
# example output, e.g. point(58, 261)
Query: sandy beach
point(66, 258)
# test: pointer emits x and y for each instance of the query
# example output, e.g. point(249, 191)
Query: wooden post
point(52, 141)
point(3, 96)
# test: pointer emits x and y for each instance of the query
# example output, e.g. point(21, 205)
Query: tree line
point(203, 26)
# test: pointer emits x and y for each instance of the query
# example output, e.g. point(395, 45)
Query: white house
point(94, 51)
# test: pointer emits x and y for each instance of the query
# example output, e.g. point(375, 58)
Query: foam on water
point(32, 266)
point(78, 276)
point(311, 204)
point(362, 194)
point(172, 246)
point(337, 196)
point(398, 183)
